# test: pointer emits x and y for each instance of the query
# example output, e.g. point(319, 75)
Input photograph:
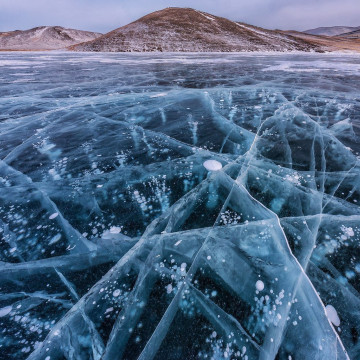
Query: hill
point(331, 30)
point(189, 30)
point(44, 38)
point(351, 35)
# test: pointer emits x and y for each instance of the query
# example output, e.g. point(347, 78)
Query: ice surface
point(117, 242)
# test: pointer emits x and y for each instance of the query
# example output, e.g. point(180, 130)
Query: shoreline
point(295, 52)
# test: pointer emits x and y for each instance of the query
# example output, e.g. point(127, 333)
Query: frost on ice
point(118, 238)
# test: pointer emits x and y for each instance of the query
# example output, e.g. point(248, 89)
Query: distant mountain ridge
point(184, 30)
point(189, 30)
point(44, 38)
point(352, 34)
point(331, 30)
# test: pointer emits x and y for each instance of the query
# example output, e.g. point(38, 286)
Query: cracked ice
point(179, 206)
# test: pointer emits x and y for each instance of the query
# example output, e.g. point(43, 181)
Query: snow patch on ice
point(158, 95)
point(259, 285)
point(332, 315)
point(212, 165)
point(115, 230)
point(53, 216)
point(55, 239)
point(347, 231)
point(5, 311)
point(116, 292)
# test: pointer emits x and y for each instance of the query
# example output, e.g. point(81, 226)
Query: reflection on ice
point(179, 207)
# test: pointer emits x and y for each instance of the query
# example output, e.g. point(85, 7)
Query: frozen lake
point(179, 206)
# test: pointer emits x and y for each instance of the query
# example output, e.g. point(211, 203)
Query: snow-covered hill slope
point(44, 38)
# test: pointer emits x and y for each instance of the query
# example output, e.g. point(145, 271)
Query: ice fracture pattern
point(179, 206)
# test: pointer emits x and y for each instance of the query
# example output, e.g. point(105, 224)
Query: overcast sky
point(106, 15)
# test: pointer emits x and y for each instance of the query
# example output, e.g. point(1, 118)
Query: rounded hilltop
point(177, 29)
point(44, 38)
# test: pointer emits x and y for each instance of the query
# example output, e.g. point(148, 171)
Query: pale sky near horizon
point(106, 15)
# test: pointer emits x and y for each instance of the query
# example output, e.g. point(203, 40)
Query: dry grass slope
point(189, 30)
